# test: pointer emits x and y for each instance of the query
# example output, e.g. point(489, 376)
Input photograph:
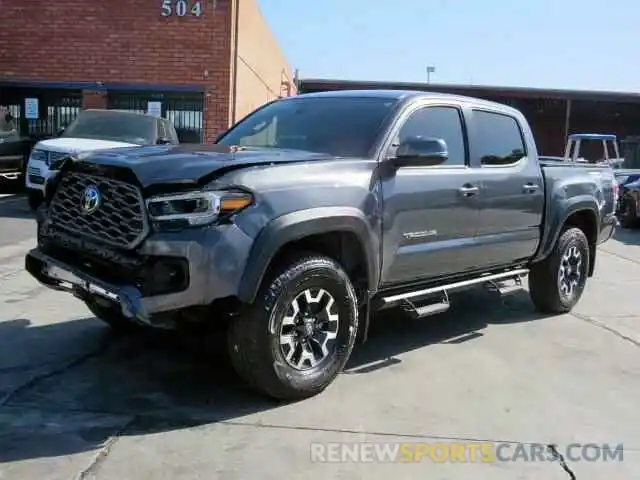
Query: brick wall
point(121, 41)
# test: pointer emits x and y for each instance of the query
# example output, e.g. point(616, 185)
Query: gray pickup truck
point(313, 212)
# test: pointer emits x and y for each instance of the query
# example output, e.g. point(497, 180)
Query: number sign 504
point(181, 8)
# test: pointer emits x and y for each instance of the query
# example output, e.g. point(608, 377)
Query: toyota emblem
point(90, 199)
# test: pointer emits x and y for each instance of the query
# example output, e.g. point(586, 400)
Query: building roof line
point(315, 83)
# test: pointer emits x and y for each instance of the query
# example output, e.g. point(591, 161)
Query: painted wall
point(263, 73)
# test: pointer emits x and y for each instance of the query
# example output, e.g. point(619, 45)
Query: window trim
point(404, 116)
point(524, 158)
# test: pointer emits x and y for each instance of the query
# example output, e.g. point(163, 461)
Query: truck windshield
point(341, 127)
point(114, 126)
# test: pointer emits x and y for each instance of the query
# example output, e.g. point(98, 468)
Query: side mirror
point(60, 132)
point(163, 141)
point(421, 151)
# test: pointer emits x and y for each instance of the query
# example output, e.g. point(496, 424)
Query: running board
point(453, 286)
point(427, 310)
point(505, 290)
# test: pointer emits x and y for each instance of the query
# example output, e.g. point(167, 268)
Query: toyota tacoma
point(315, 211)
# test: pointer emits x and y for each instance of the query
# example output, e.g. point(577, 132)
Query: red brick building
point(209, 62)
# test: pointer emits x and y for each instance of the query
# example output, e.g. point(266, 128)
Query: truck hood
point(171, 167)
point(77, 145)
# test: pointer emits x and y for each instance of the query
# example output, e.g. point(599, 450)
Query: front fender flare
point(297, 225)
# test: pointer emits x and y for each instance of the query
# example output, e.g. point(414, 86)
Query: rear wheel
point(557, 283)
point(300, 332)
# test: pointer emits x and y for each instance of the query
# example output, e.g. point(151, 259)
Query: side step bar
point(453, 286)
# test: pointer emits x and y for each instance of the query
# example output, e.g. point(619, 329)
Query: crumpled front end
point(96, 239)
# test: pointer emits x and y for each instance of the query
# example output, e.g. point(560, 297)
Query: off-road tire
point(254, 337)
point(112, 316)
point(629, 215)
point(544, 288)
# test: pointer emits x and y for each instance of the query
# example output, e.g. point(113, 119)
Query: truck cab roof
point(400, 95)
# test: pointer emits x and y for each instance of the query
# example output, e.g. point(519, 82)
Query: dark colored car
point(14, 153)
point(628, 210)
point(314, 211)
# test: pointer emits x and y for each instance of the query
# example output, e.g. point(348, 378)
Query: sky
point(567, 44)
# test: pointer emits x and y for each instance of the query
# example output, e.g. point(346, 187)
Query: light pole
point(430, 69)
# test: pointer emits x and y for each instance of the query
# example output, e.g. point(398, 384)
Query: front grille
point(120, 220)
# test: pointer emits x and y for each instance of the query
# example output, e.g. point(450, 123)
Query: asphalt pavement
point(77, 402)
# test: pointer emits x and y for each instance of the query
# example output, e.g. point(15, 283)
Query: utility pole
point(430, 69)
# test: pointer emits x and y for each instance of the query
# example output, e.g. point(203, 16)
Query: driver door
point(430, 216)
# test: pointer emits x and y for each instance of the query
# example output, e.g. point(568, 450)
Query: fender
point(554, 223)
point(297, 225)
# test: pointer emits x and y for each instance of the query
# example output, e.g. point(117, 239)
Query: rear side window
point(497, 139)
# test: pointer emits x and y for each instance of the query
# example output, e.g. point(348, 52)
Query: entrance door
point(512, 190)
point(430, 212)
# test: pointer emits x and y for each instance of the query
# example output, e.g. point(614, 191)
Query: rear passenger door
point(428, 222)
point(511, 193)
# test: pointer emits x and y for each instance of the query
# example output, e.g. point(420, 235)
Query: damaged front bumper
point(59, 276)
point(214, 258)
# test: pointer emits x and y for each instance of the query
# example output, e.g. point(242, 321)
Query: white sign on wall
point(154, 108)
point(31, 108)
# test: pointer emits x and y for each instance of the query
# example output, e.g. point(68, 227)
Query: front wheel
point(300, 332)
point(557, 283)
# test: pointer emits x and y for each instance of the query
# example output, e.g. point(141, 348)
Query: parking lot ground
point(77, 402)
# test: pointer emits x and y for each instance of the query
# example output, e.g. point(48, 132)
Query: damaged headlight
point(196, 208)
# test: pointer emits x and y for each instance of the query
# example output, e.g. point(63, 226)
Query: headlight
point(39, 155)
point(196, 208)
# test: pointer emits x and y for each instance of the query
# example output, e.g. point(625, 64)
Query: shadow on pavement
point(15, 206)
point(11, 186)
point(628, 236)
point(162, 382)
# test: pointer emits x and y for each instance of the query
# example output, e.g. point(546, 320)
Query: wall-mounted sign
point(181, 8)
point(154, 108)
point(31, 110)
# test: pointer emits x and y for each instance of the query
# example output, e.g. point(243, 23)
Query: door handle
point(468, 190)
point(529, 187)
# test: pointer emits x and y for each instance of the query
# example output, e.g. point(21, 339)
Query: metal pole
point(567, 119)
point(430, 69)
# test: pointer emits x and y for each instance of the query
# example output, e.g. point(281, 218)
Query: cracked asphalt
point(78, 403)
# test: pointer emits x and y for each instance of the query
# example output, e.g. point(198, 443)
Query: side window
point(497, 138)
point(438, 122)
